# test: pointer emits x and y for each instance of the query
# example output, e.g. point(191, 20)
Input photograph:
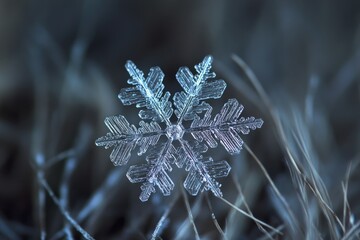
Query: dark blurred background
point(62, 66)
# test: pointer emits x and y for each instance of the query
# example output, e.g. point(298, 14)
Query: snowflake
point(147, 93)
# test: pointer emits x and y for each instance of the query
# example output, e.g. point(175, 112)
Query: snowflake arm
point(147, 93)
point(196, 88)
point(125, 137)
point(202, 172)
point(226, 127)
point(154, 172)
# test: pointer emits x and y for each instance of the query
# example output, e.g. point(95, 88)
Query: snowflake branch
point(195, 89)
point(198, 177)
point(147, 93)
point(226, 127)
point(154, 172)
point(125, 137)
point(184, 75)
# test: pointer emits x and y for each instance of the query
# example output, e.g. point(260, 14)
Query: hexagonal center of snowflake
point(175, 131)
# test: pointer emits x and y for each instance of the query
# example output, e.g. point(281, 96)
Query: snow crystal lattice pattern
point(189, 104)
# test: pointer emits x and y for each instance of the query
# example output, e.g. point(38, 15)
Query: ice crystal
point(189, 104)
